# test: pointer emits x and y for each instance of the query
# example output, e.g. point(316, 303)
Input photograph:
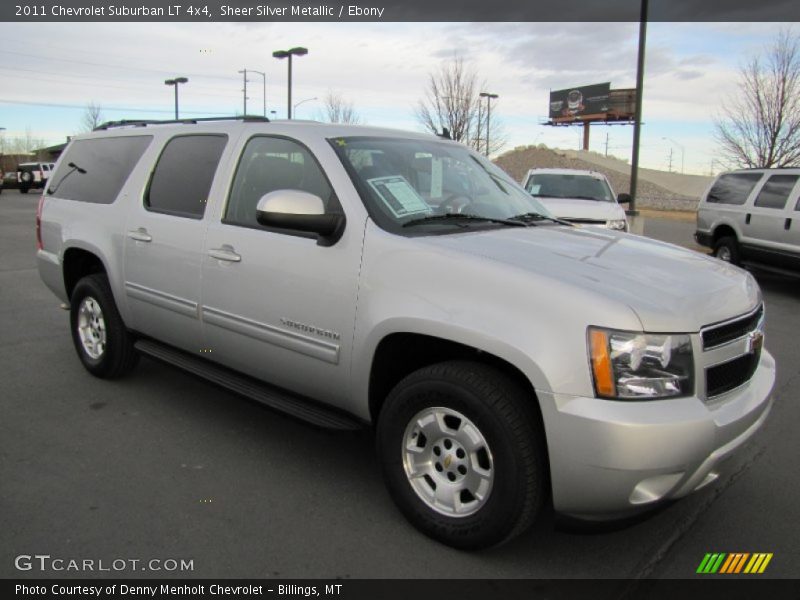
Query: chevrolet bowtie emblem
point(755, 341)
point(447, 461)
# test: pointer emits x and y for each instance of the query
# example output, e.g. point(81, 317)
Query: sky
point(51, 71)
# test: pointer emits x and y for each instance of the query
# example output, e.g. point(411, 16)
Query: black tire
point(507, 420)
point(118, 355)
point(727, 249)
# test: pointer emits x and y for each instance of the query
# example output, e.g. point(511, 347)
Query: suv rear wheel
point(101, 340)
point(462, 452)
point(727, 249)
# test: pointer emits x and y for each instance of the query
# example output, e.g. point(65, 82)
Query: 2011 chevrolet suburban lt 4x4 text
point(354, 275)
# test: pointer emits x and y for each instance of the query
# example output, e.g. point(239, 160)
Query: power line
point(91, 78)
point(107, 108)
point(106, 85)
point(121, 67)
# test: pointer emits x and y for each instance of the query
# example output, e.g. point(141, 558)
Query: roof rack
point(146, 122)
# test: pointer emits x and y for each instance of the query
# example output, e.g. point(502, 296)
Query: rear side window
point(776, 191)
point(269, 164)
point(94, 170)
point(182, 178)
point(733, 188)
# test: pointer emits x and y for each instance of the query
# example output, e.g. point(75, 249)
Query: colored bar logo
point(734, 563)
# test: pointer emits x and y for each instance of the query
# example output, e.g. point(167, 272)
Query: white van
point(752, 217)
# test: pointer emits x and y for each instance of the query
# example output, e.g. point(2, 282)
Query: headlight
point(631, 365)
point(620, 225)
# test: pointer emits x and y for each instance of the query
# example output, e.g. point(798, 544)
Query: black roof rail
point(146, 122)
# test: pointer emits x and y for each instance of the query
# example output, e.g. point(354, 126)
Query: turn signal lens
point(601, 363)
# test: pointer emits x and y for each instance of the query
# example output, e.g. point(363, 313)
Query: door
point(276, 305)
point(164, 241)
point(769, 218)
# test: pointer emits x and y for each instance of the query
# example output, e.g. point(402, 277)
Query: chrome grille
point(730, 375)
point(732, 350)
point(727, 332)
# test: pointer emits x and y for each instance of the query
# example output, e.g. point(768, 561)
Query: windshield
point(568, 185)
point(431, 186)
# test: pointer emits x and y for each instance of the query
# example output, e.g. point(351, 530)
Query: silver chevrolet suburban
point(355, 276)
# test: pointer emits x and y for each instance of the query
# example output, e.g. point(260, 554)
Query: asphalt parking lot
point(162, 465)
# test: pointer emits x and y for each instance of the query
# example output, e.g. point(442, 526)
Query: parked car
point(33, 175)
point(752, 217)
point(9, 179)
point(355, 276)
point(580, 197)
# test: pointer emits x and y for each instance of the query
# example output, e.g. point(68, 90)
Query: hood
point(671, 289)
point(570, 208)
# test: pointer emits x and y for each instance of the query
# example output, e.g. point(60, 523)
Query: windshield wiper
point(73, 168)
point(589, 198)
point(531, 217)
point(464, 217)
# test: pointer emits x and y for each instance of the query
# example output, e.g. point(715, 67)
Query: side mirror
point(623, 198)
point(299, 211)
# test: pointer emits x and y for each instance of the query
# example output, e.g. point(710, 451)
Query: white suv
point(355, 276)
point(580, 197)
point(33, 175)
point(752, 217)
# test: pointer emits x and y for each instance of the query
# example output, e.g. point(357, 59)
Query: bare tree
point(338, 109)
point(452, 102)
point(24, 144)
point(761, 127)
point(92, 117)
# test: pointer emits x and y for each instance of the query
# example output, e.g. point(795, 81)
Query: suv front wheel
point(727, 249)
point(462, 451)
point(101, 339)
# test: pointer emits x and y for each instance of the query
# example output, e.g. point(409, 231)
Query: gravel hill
point(517, 162)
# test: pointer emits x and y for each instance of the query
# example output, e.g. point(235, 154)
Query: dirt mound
point(517, 162)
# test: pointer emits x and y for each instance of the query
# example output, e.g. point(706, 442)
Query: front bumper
point(609, 459)
point(703, 238)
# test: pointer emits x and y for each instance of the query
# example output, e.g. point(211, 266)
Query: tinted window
point(776, 191)
point(94, 170)
point(183, 175)
point(733, 188)
point(269, 164)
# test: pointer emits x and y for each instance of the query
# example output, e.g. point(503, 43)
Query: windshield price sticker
point(398, 196)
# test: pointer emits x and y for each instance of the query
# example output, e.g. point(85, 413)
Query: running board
point(271, 396)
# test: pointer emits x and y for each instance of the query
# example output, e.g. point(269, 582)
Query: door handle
point(787, 224)
point(747, 219)
point(225, 253)
point(140, 235)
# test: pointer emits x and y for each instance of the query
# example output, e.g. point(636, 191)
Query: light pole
point(294, 109)
point(244, 91)
point(264, 95)
point(281, 54)
point(175, 82)
point(683, 150)
point(489, 97)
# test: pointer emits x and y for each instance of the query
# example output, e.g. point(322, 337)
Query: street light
point(489, 97)
point(683, 150)
point(264, 96)
point(302, 102)
point(244, 90)
point(175, 82)
point(281, 54)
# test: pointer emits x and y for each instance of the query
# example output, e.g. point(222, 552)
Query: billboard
point(579, 101)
